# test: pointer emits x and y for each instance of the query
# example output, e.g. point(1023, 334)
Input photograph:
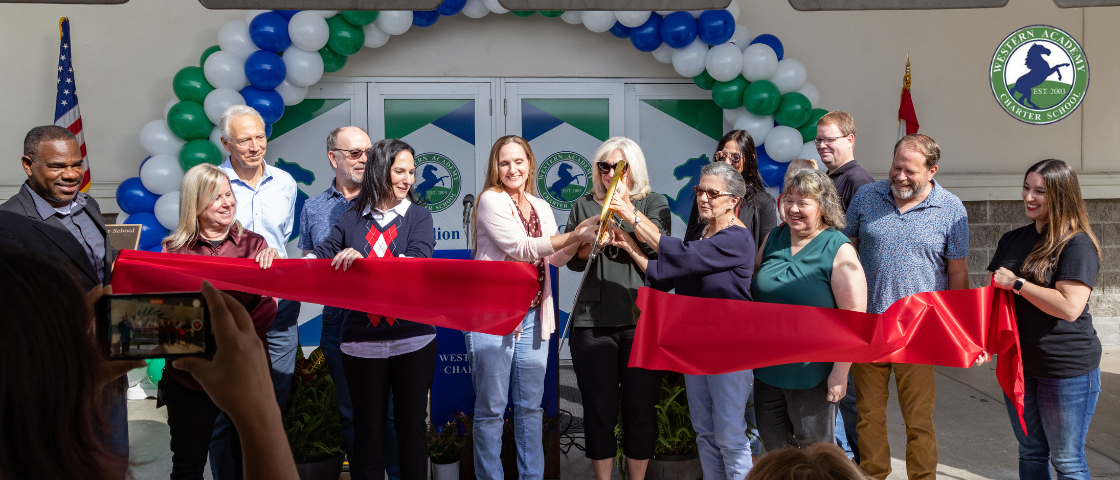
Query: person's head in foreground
point(821, 461)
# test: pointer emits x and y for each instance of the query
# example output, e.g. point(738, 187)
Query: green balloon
point(345, 38)
point(794, 110)
point(155, 370)
point(199, 151)
point(809, 130)
point(704, 80)
point(551, 13)
point(188, 121)
point(524, 13)
point(206, 54)
point(359, 17)
point(190, 84)
point(762, 98)
point(729, 95)
point(332, 62)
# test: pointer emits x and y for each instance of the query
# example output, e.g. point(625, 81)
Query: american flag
point(66, 114)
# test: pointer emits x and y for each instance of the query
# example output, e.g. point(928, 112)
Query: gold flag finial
point(906, 78)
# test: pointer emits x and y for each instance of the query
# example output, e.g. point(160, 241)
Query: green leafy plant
point(444, 442)
point(675, 435)
point(312, 423)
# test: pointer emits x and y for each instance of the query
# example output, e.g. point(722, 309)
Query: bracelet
point(637, 218)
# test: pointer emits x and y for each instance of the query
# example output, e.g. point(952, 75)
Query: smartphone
point(157, 325)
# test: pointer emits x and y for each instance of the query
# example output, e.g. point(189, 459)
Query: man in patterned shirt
point(912, 237)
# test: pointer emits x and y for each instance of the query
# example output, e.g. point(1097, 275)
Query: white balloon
point(394, 22)
point(733, 8)
point(755, 125)
point(695, 13)
point(664, 53)
point(325, 13)
point(574, 18)
point(234, 38)
point(157, 139)
point(809, 151)
point(216, 139)
point(253, 14)
point(167, 210)
point(308, 31)
point(167, 108)
point(664, 12)
point(741, 37)
point(162, 174)
point(292, 94)
point(633, 19)
point(689, 61)
point(789, 76)
point(218, 100)
point(759, 62)
point(495, 7)
point(724, 62)
point(375, 36)
point(475, 9)
point(810, 92)
point(732, 115)
point(598, 21)
point(783, 143)
point(303, 68)
point(225, 70)
point(122, 218)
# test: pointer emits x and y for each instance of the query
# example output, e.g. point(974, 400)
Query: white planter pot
point(448, 471)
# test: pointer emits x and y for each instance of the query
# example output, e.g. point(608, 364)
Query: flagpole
point(905, 87)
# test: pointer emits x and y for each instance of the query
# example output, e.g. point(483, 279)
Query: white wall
point(125, 57)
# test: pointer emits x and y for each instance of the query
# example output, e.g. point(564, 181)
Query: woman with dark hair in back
point(757, 210)
point(380, 352)
point(1051, 264)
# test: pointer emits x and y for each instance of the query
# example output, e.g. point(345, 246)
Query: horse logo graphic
point(681, 205)
point(439, 183)
point(562, 178)
point(1039, 74)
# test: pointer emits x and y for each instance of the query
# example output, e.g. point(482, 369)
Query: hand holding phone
point(163, 325)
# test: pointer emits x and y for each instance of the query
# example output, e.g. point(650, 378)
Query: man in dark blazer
point(51, 217)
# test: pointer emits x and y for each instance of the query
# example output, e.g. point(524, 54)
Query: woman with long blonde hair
point(1051, 264)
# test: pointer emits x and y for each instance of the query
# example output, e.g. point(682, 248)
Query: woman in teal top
point(806, 261)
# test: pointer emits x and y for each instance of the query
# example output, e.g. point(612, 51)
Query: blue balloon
point(424, 19)
point(269, 31)
point(288, 14)
point(267, 102)
point(134, 198)
point(678, 29)
point(142, 162)
point(619, 30)
point(715, 27)
point(450, 7)
point(156, 249)
point(647, 37)
point(771, 172)
point(265, 69)
point(151, 232)
point(772, 42)
point(268, 131)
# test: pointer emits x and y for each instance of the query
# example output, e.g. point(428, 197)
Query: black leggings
point(599, 357)
point(190, 417)
point(410, 376)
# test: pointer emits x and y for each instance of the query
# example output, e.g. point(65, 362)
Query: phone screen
point(155, 325)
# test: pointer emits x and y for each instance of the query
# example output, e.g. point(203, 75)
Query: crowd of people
point(832, 240)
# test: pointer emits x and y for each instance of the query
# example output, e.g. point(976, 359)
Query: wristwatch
point(637, 218)
point(1018, 285)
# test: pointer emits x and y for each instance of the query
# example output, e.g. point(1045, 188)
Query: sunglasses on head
point(605, 167)
point(734, 158)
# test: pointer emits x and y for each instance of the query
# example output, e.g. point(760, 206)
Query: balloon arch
point(270, 59)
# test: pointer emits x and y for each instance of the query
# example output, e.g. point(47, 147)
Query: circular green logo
point(437, 181)
point(1039, 74)
point(562, 178)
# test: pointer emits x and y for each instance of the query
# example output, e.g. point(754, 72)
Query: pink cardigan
point(501, 236)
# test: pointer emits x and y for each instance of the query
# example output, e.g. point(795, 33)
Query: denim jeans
point(1057, 412)
point(846, 423)
point(794, 417)
point(716, 404)
point(500, 364)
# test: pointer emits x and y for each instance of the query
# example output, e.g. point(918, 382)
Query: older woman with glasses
point(756, 211)
point(715, 260)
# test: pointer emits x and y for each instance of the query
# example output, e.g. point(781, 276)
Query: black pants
point(410, 376)
point(190, 416)
point(793, 418)
point(599, 357)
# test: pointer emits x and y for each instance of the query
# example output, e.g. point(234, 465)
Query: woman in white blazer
point(511, 224)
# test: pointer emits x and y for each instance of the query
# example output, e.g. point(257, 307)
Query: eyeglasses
point(352, 154)
point(734, 158)
point(711, 193)
point(827, 140)
point(605, 167)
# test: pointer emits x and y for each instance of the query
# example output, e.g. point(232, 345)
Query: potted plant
point(675, 454)
point(444, 450)
point(466, 450)
point(311, 422)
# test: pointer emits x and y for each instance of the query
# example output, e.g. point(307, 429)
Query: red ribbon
point(487, 297)
point(707, 336)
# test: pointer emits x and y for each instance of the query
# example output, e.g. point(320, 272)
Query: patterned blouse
point(533, 226)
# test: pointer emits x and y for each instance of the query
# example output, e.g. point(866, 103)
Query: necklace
point(704, 234)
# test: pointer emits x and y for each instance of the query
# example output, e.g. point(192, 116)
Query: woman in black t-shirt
point(1052, 265)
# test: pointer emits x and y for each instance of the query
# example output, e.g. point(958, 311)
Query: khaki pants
point(915, 385)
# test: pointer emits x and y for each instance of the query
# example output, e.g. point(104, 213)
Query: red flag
point(907, 118)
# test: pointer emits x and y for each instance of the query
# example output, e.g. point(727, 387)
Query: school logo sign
point(562, 178)
point(437, 181)
point(1039, 74)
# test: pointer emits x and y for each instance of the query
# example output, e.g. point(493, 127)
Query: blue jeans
point(716, 404)
point(752, 426)
point(1057, 412)
point(846, 423)
point(500, 364)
